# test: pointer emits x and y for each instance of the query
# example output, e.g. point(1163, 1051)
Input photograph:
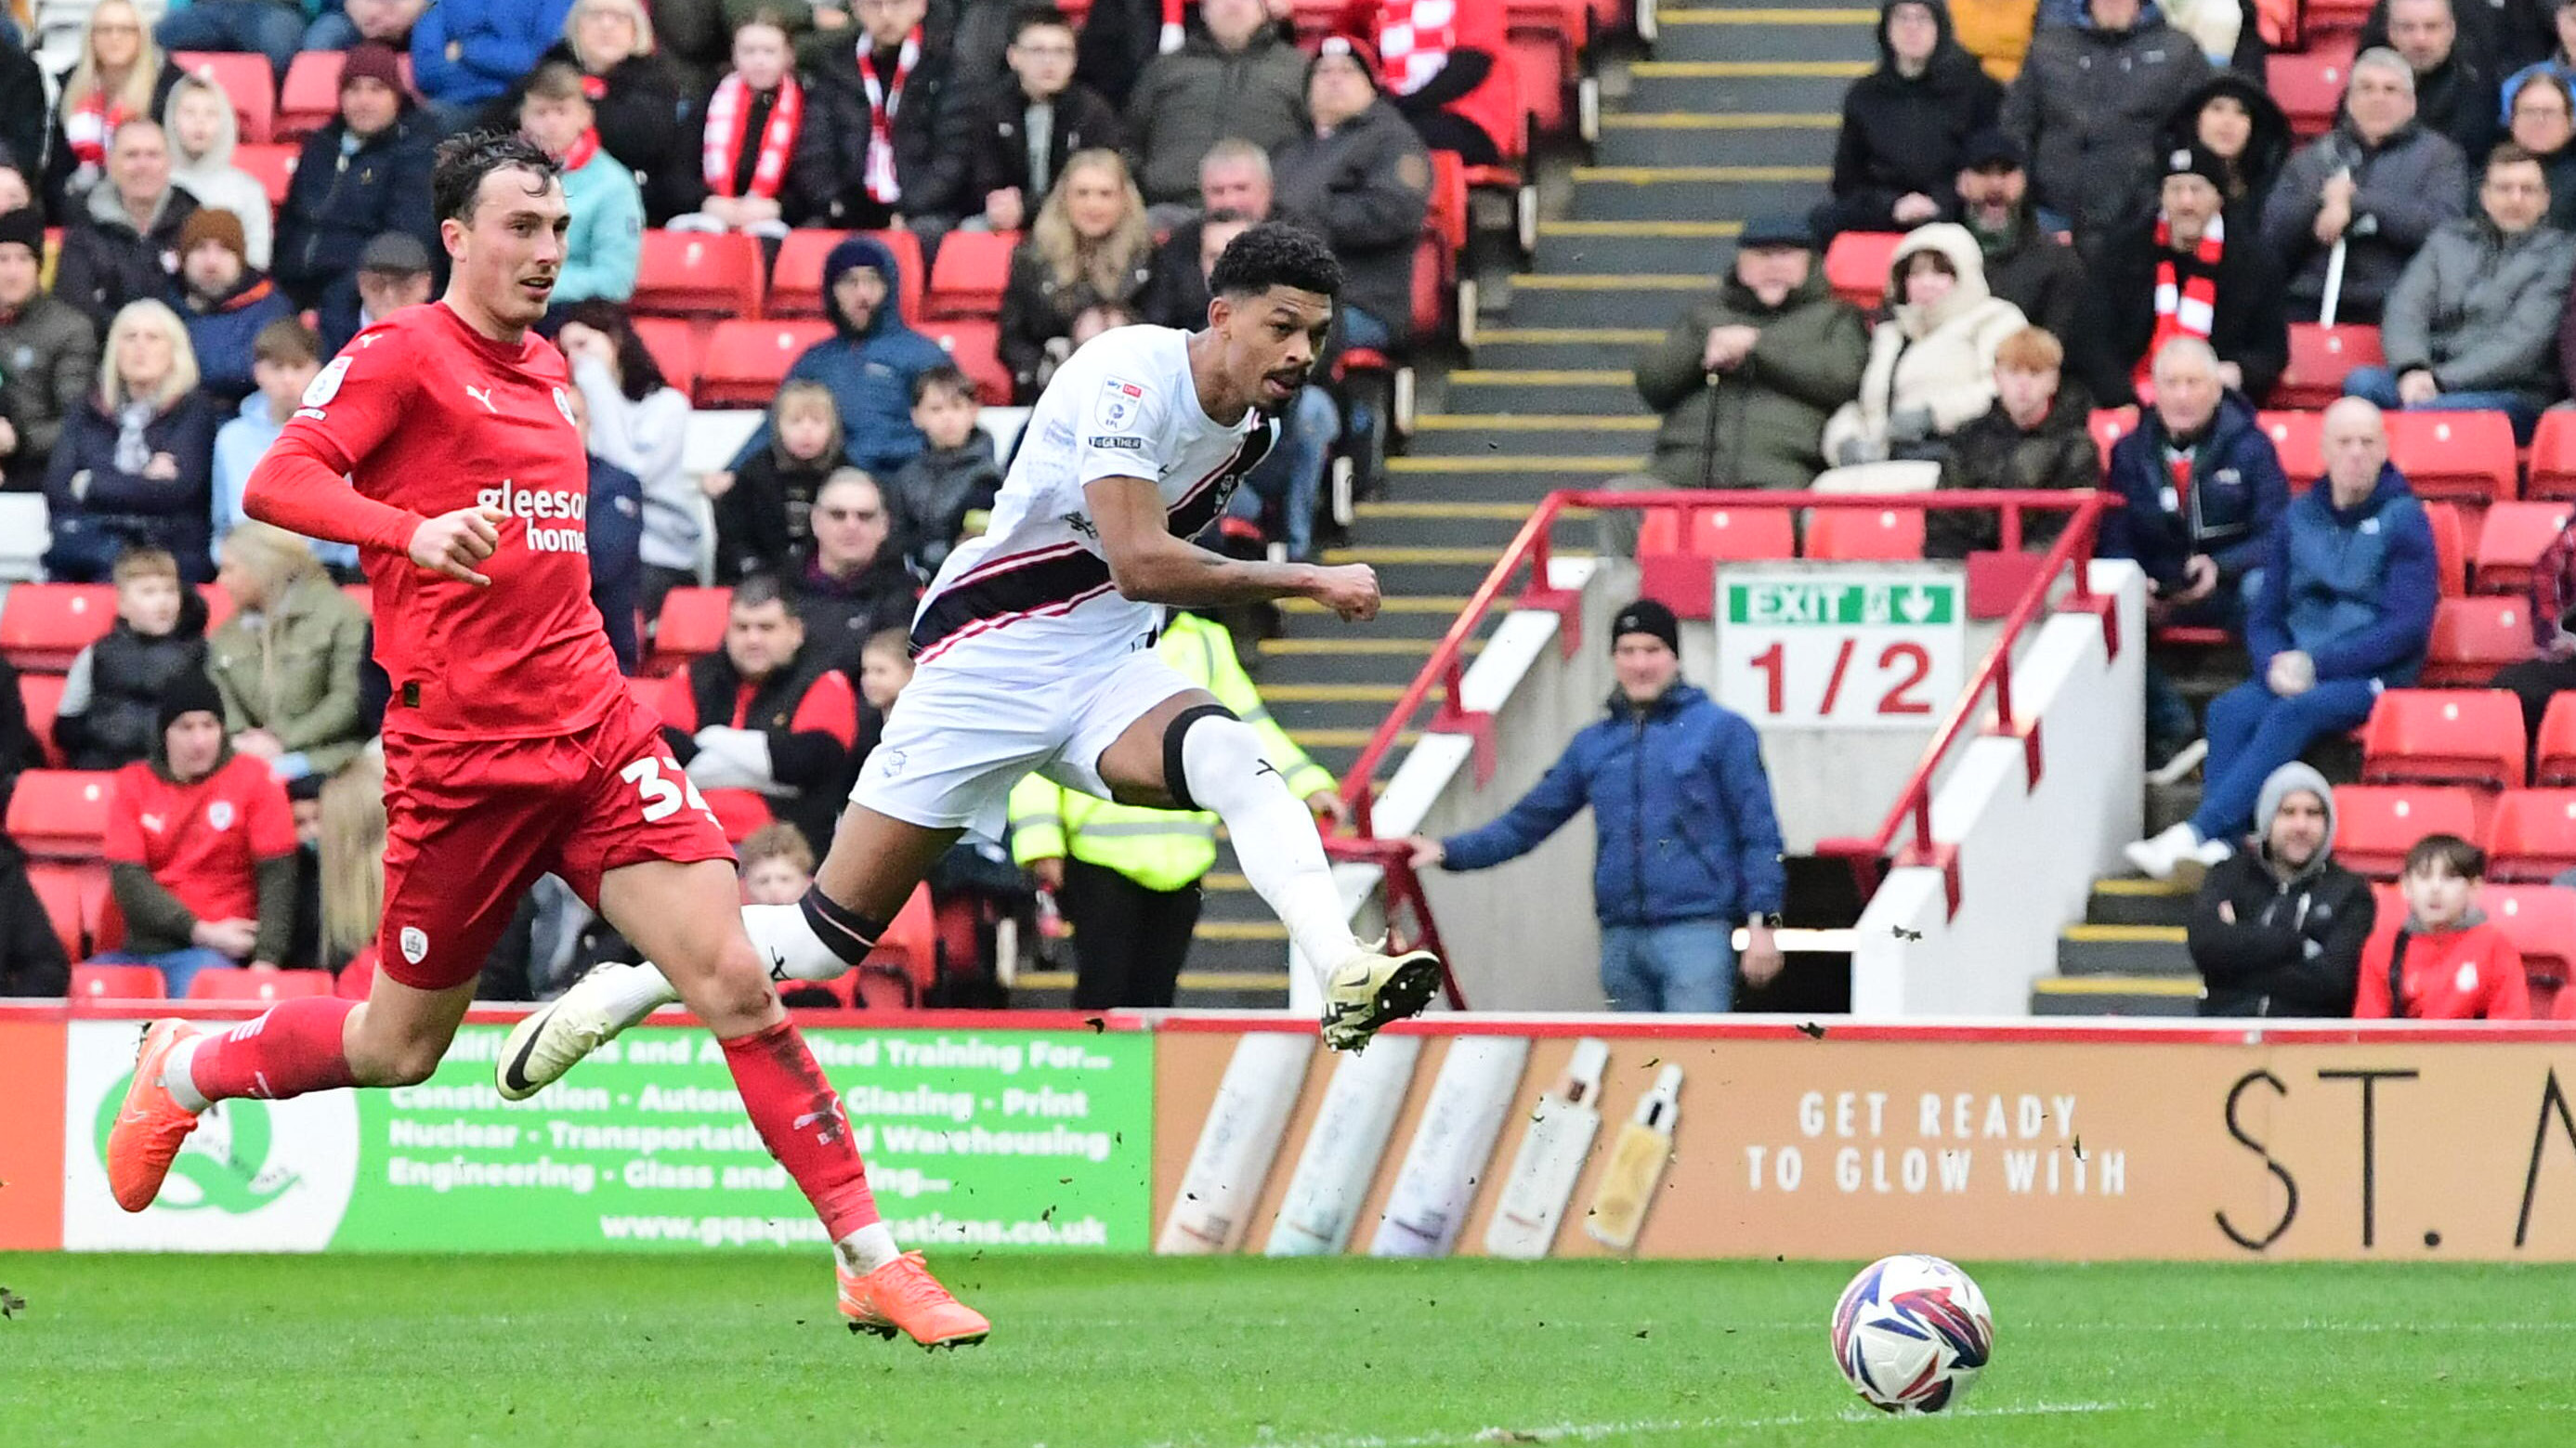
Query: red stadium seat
point(60, 888)
point(2444, 736)
point(2553, 456)
point(1856, 266)
point(258, 985)
point(2554, 761)
point(1446, 218)
point(2309, 90)
point(245, 79)
point(698, 274)
point(44, 626)
point(2299, 439)
point(2110, 424)
point(2470, 456)
point(274, 165)
point(796, 278)
point(1542, 64)
point(975, 345)
point(1884, 534)
point(2450, 546)
point(745, 361)
point(876, 987)
point(2510, 540)
point(911, 942)
point(2375, 825)
point(2532, 835)
point(61, 813)
point(968, 278)
point(2474, 637)
point(219, 605)
point(1434, 266)
point(2540, 920)
point(118, 983)
point(2320, 358)
point(43, 695)
point(692, 625)
point(310, 98)
point(674, 345)
point(1741, 533)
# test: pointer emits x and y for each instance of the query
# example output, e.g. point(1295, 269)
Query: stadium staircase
point(1733, 117)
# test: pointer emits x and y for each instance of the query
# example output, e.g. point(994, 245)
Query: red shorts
point(471, 823)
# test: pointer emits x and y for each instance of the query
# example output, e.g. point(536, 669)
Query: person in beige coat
point(1932, 362)
point(287, 660)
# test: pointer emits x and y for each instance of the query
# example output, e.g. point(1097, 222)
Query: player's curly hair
point(456, 177)
point(1276, 254)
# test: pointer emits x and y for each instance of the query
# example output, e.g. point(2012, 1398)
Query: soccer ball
point(1911, 1333)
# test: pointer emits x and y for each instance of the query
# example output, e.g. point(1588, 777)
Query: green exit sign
point(1927, 603)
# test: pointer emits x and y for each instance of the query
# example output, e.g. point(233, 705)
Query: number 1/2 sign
point(1818, 649)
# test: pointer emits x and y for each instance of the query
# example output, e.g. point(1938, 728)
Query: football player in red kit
point(441, 442)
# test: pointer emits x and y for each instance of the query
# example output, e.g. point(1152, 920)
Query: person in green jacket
point(1775, 349)
point(287, 661)
point(1127, 878)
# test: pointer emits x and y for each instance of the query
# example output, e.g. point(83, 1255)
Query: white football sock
point(787, 942)
point(1274, 838)
point(634, 994)
point(176, 1077)
point(868, 1248)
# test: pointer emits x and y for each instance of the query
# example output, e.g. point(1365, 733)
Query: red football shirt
point(424, 415)
point(202, 840)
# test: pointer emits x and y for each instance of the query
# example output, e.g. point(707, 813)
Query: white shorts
point(970, 726)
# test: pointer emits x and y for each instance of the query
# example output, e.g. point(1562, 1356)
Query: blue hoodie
point(2352, 589)
point(496, 42)
point(869, 370)
point(2238, 490)
point(1681, 804)
point(238, 445)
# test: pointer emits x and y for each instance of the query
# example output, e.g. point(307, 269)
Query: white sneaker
point(2158, 858)
point(557, 1035)
point(1374, 990)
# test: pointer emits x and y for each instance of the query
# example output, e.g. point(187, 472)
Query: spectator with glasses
point(852, 582)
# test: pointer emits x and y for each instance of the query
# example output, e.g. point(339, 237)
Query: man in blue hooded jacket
point(869, 366)
point(2344, 610)
point(1688, 843)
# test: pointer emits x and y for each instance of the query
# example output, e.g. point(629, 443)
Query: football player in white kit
point(1035, 652)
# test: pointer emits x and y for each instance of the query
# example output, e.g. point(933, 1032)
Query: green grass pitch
point(630, 1352)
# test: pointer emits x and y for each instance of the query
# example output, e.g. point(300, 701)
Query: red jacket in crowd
point(2473, 973)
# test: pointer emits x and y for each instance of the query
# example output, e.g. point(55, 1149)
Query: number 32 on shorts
point(662, 797)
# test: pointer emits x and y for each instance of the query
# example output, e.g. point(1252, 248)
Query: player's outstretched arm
point(296, 489)
point(1149, 565)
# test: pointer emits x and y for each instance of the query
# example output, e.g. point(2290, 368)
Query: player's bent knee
point(736, 995)
point(1176, 780)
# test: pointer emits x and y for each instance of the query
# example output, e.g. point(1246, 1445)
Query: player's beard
point(1294, 379)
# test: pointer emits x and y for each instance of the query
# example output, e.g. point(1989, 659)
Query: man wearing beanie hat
point(123, 244)
point(1688, 846)
point(2180, 274)
point(1360, 179)
point(48, 355)
point(224, 301)
point(200, 848)
point(2278, 929)
point(2027, 263)
point(364, 174)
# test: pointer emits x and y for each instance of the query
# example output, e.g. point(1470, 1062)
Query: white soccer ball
point(1911, 1333)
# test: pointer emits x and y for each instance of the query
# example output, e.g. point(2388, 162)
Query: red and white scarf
point(728, 112)
point(583, 147)
point(884, 103)
point(90, 125)
point(2184, 308)
point(1173, 32)
point(1414, 38)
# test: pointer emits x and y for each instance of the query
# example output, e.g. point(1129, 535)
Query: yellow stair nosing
point(1533, 422)
point(1224, 880)
point(1603, 465)
point(1692, 230)
point(1417, 647)
point(1241, 930)
point(2150, 985)
point(1572, 336)
point(1542, 377)
point(1332, 693)
point(1669, 175)
point(1435, 554)
point(1497, 512)
point(2141, 887)
point(1705, 121)
point(1347, 738)
point(1613, 282)
point(1749, 69)
point(2125, 934)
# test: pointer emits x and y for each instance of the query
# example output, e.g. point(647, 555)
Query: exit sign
point(1815, 650)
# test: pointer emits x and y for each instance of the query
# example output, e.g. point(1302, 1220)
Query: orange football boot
point(151, 1127)
point(902, 1296)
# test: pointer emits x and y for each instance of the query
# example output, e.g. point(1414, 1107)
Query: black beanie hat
point(1646, 616)
point(187, 694)
point(24, 228)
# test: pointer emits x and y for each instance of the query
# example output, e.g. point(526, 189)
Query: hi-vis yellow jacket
point(1159, 849)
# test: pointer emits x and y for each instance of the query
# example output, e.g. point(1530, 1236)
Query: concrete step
point(1606, 299)
point(1706, 248)
point(1600, 390)
point(1739, 87)
point(1793, 33)
point(1676, 138)
point(1515, 431)
point(2111, 995)
point(2123, 950)
point(1385, 661)
point(1696, 193)
point(2139, 902)
point(1589, 349)
point(1398, 618)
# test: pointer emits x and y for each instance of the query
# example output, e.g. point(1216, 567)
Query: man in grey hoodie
point(2277, 930)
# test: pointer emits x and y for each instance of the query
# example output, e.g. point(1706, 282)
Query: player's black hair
point(1276, 254)
point(1031, 17)
point(947, 378)
point(456, 177)
point(759, 590)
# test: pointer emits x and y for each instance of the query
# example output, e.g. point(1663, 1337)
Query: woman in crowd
point(1932, 362)
point(1090, 245)
point(2245, 129)
point(638, 422)
point(137, 465)
point(643, 117)
point(748, 149)
point(287, 661)
point(121, 76)
point(1906, 125)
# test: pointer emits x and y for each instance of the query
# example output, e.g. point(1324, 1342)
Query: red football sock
point(293, 1049)
point(799, 1115)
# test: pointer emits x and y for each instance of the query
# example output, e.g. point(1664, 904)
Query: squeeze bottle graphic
point(1344, 1148)
point(1238, 1143)
point(1453, 1145)
point(1636, 1167)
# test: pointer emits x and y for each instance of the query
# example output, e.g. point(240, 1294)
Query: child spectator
point(606, 242)
point(943, 497)
point(203, 133)
point(200, 847)
point(885, 667)
point(747, 156)
point(112, 697)
point(2038, 435)
point(287, 661)
point(2445, 962)
point(763, 511)
point(777, 865)
point(285, 358)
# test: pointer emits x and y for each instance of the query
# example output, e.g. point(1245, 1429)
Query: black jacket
point(935, 492)
point(1179, 295)
point(108, 261)
point(25, 119)
point(2267, 149)
point(2458, 99)
point(127, 674)
point(1905, 134)
point(1366, 189)
point(1994, 452)
point(761, 519)
point(2294, 948)
point(646, 117)
point(813, 762)
point(2037, 272)
point(2251, 327)
point(344, 196)
point(1038, 309)
point(2503, 36)
point(1083, 121)
point(933, 131)
point(840, 614)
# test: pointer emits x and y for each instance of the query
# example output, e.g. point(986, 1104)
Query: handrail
point(1446, 668)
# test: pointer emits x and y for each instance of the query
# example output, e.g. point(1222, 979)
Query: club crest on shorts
point(1119, 402)
point(415, 944)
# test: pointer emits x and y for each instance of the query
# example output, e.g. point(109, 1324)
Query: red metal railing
point(1531, 550)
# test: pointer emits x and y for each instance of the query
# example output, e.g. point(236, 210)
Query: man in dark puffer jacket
point(2277, 930)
